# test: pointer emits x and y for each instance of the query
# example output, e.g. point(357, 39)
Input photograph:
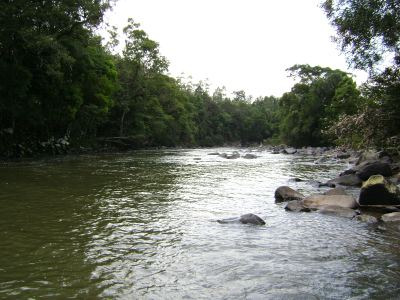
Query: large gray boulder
point(285, 193)
point(338, 211)
point(319, 201)
point(346, 180)
point(378, 191)
point(391, 217)
point(374, 168)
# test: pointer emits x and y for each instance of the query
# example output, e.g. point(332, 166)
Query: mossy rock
point(378, 191)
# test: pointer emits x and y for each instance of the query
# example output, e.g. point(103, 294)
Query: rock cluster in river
point(376, 173)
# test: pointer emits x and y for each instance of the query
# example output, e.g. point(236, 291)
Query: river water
point(141, 225)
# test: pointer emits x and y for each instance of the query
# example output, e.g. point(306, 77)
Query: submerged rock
point(391, 217)
point(338, 211)
point(318, 201)
point(366, 218)
point(285, 193)
point(249, 156)
point(296, 206)
point(322, 160)
point(378, 191)
point(213, 153)
point(223, 155)
point(234, 155)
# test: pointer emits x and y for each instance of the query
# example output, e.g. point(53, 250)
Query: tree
point(43, 85)
point(367, 31)
point(314, 103)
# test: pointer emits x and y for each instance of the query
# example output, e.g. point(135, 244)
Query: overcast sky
point(240, 44)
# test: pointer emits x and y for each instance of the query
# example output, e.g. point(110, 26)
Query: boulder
point(391, 217)
point(249, 156)
point(318, 201)
point(347, 180)
point(296, 206)
point(285, 193)
point(251, 219)
point(289, 150)
point(338, 211)
point(336, 191)
point(223, 155)
point(366, 218)
point(378, 191)
point(374, 168)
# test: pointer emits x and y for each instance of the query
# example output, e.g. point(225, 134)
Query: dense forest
point(62, 87)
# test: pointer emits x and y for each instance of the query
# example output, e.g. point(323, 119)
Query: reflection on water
point(142, 225)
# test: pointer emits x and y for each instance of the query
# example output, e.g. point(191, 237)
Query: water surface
point(141, 225)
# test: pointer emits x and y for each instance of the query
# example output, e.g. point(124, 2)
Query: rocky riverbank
point(376, 173)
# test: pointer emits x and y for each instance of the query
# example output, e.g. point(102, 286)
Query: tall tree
point(43, 85)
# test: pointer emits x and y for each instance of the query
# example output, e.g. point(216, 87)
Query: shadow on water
point(61, 220)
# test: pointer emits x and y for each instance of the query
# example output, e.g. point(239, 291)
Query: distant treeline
point(61, 88)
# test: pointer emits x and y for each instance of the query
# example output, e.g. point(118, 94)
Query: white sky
point(240, 44)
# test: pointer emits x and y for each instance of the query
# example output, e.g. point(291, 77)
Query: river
point(142, 225)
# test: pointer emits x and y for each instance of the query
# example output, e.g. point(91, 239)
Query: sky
point(239, 44)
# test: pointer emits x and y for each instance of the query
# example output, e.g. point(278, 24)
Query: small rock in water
point(251, 219)
point(250, 156)
point(366, 218)
point(289, 150)
point(234, 155)
point(244, 219)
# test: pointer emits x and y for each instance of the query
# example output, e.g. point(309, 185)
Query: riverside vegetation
point(62, 88)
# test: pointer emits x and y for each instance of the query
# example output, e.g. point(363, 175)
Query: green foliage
point(51, 68)
point(367, 30)
point(315, 103)
point(369, 33)
point(59, 86)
